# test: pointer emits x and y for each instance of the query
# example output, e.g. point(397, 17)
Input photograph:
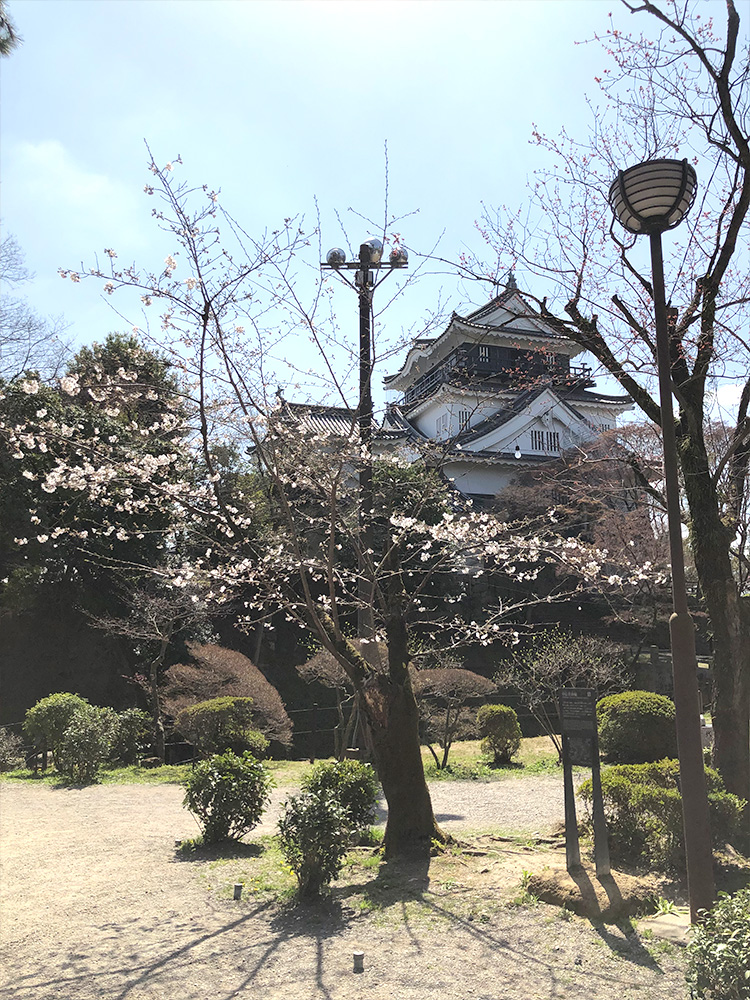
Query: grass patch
point(284, 772)
point(457, 771)
point(169, 774)
point(536, 755)
point(258, 866)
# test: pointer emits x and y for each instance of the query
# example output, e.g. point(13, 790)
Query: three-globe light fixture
point(369, 271)
point(649, 199)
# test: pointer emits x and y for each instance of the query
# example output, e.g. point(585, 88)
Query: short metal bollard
point(359, 961)
point(238, 890)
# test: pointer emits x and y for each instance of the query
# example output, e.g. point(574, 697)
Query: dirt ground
point(97, 902)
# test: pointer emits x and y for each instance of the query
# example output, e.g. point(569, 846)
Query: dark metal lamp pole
point(365, 280)
point(649, 199)
point(366, 586)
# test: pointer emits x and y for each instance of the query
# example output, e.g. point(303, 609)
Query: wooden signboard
point(581, 749)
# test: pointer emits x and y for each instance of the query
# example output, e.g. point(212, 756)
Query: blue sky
point(280, 104)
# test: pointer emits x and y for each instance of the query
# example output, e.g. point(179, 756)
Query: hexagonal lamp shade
point(653, 196)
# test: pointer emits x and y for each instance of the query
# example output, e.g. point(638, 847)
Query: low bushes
point(636, 727)
point(83, 737)
point(337, 803)
point(500, 732)
point(86, 743)
point(228, 795)
point(222, 724)
point(314, 838)
point(719, 953)
point(352, 784)
point(80, 736)
point(46, 722)
point(132, 735)
point(447, 698)
point(643, 807)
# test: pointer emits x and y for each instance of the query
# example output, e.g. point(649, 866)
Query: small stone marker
point(238, 890)
point(359, 961)
point(674, 927)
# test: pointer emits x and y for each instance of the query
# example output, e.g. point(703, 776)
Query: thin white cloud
point(76, 207)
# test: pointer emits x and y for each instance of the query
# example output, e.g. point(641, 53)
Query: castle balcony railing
point(465, 369)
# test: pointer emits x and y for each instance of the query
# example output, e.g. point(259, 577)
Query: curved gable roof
point(506, 317)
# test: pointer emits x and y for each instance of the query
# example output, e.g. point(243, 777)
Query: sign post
point(581, 747)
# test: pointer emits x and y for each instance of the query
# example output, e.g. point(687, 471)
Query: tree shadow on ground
point(631, 949)
point(196, 851)
point(401, 882)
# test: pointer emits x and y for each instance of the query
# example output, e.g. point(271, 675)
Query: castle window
point(464, 420)
point(441, 426)
point(484, 353)
point(553, 441)
point(537, 440)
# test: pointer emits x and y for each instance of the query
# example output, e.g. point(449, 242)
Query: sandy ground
point(97, 903)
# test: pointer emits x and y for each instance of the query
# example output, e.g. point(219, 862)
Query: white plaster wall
point(479, 409)
point(470, 478)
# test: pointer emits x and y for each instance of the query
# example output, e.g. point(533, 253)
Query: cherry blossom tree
point(224, 303)
point(89, 464)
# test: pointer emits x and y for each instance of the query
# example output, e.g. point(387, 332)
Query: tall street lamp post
point(369, 271)
point(651, 198)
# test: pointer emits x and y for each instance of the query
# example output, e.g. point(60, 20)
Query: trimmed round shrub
point(314, 837)
point(46, 721)
point(221, 724)
point(11, 750)
point(352, 784)
point(643, 808)
point(132, 735)
point(228, 795)
point(499, 731)
point(636, 727)
point(719, 952)
point(86, 743)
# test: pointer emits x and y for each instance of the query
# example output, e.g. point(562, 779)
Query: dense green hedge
point(499, 732)
point(719, 952)
point(643, 807)
point(228, 795)
point(314, 836)
point(221, 724)
point(46, 722)
point(352, 784)
point(636, 727)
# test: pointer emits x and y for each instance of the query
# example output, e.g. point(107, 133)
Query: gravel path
point(96, 904)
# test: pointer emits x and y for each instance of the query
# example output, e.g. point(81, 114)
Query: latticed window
point(484, 352)
point(553, 441)
point(464, 420)
point(537, 440)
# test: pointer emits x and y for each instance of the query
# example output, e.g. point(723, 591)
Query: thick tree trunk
point(731, 690)
point(393, 717)
point(710, 541)
point(394, 723)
